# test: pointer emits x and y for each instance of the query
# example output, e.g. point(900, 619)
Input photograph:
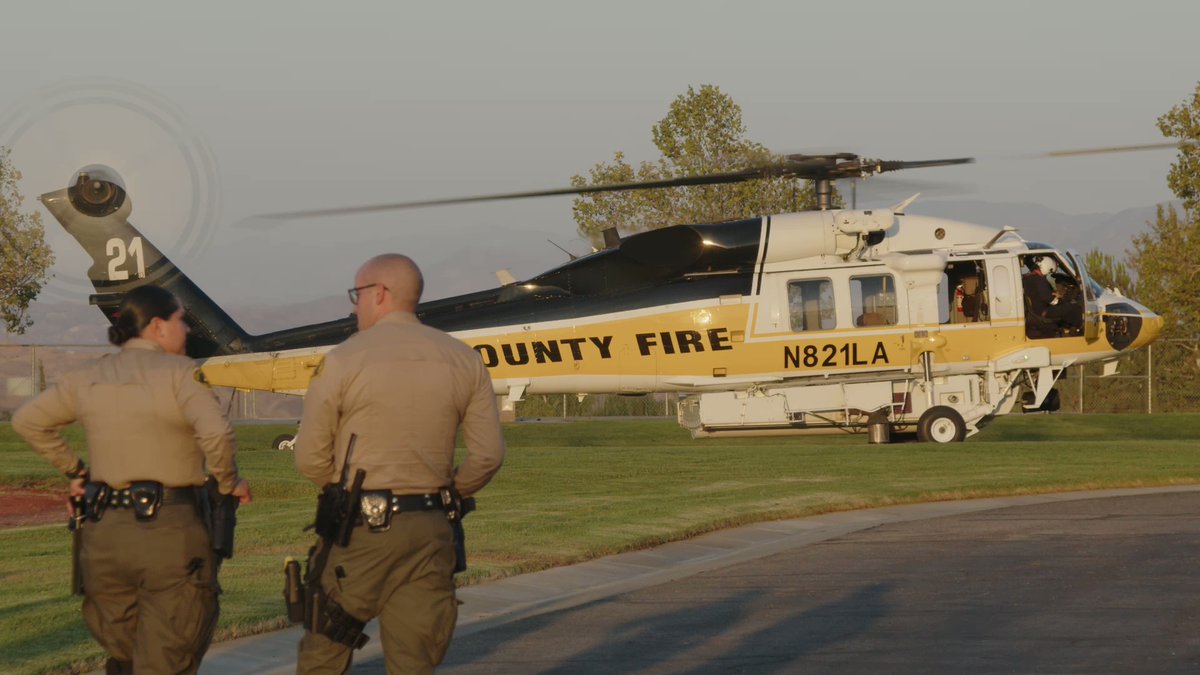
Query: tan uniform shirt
point(403, 389)
point(146, 415)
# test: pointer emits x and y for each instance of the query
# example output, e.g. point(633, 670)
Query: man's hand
point(76, 487)
point(242, 491)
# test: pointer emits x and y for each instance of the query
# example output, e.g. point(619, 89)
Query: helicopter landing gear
point(941, 424)
point(285, 442)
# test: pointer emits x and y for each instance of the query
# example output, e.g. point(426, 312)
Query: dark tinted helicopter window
point(660, 267)
point(658, 256)
point(452, 314)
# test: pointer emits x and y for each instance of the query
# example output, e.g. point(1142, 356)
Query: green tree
point(1183, 124)
point(25, 258)
point(1167, 261)
point(1167, 257)
point(702, 133)
point(1109, 272)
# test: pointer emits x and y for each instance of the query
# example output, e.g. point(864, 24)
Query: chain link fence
point(1163, 378)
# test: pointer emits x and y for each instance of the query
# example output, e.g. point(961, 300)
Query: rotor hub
point(96, 190)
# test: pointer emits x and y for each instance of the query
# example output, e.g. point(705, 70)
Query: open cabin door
point(1091, 292)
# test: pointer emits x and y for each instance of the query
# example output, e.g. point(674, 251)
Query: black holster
point(293, 590)
point(95, 500)
point(219, 514)
point(307, 601)
point(456, 509)
point(75, 525)
point(336, 624)
point(330, 505)
point(147, 499)
point(338, 508)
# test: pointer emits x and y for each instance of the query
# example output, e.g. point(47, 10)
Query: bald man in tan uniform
point(402, 389)
point(150, 585)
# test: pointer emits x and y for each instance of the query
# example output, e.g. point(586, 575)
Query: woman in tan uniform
point(153, 428)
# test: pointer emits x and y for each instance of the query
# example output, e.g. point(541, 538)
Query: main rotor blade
point(1116, 148)
point(921, 164)
point(809, 167)
point(767, 171)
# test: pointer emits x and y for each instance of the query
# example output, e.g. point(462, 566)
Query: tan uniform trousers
point(405, 577)
point(150, 594)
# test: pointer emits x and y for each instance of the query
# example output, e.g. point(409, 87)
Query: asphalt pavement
point(1088, 582)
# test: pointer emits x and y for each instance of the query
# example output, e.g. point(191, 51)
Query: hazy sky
point(314, 104)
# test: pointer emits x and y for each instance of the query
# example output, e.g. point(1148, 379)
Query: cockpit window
point(1091, 289)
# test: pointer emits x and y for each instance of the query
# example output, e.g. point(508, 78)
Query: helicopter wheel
point(285, 442)
point(941, 424)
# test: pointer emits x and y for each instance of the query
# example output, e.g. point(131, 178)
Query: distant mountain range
point(1111, 233)
point(470, 268)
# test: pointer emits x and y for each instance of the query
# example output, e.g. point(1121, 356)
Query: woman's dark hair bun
point(118, 336)
point(137, 309)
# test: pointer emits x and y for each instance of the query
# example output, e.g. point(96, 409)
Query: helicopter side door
point(1091, 296)
point(1065, 298)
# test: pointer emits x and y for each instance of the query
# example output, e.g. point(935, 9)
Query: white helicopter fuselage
point(847, 313)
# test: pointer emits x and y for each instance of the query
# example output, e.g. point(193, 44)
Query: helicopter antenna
point(899, 208)
point(570, 255)
point(1003, 231)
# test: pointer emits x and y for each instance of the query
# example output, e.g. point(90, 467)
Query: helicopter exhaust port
point(96, 190)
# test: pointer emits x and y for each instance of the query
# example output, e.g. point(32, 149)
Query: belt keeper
point(414, 503)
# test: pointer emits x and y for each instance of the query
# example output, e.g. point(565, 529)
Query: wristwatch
point(80, 471)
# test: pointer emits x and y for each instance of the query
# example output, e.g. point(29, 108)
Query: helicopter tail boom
point(95, 211)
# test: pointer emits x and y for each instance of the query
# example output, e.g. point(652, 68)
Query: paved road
point(1095, 586)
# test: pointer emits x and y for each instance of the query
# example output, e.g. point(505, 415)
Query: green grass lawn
point(574, 491)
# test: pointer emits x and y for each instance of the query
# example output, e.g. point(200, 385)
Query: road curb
point(486, 606)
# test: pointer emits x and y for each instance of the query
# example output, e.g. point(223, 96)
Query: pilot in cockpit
point(1049, 311)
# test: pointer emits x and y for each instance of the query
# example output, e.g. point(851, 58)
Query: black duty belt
point(123, 498)
point(378, 506)
point(143, 497)
point(427, 502)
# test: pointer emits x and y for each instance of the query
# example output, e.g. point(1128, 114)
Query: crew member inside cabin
point(965, 299)
point(1046, 314)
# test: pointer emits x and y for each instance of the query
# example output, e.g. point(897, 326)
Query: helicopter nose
point(1129, 325)
point(1139, 331)
point(1152, 326)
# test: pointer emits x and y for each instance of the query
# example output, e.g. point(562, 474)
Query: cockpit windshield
point(1091, 289)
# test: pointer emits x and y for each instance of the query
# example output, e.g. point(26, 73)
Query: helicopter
point(823, 321)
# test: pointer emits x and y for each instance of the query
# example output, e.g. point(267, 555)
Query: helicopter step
point(942, 409)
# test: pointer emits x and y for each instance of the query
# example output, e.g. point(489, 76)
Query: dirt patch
point(20, 507)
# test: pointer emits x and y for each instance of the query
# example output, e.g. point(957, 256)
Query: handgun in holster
point(75, 525)
point(219, 513)
point(456, 509)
